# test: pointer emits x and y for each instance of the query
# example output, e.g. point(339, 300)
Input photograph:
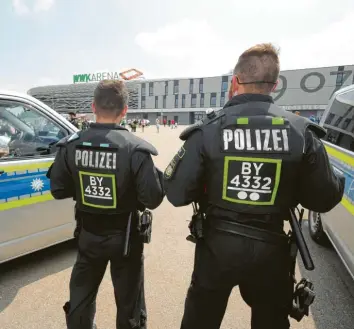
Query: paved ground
point(34, 288)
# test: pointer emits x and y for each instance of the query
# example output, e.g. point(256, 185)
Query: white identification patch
point(251, 180)
point(98, 190)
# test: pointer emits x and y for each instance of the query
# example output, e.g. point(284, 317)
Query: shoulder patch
point(172, 166)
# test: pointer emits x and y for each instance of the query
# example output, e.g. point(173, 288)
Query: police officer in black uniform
point(110, 173)
point(73, 119)
point(247, 167)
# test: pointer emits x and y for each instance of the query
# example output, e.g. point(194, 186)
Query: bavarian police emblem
point(169, 171)
point(171, 168)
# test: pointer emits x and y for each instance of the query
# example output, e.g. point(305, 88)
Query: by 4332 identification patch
point(172, 166)
point(98, 190)
point(252, 181)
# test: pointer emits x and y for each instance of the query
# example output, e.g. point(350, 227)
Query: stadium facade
point(186, 100)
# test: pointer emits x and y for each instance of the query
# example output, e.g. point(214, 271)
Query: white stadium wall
point(305, 90)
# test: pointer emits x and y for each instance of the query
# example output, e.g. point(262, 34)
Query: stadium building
point(186, 100)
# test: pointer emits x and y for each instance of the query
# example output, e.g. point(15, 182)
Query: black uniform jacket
point(320, 189)
point(147, 182)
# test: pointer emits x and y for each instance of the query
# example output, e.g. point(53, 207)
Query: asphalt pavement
point(34, 288)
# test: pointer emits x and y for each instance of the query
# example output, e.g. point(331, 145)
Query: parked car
point(338, 224)
point(30, 219)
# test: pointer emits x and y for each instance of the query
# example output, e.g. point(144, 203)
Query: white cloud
point(274, 7)
point(43, 5)
point(332, 46)
point(20, 7)
point(23, 7)
point(193, 47)
point(184, 46)
point(179, 40)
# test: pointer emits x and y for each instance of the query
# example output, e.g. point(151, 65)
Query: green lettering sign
point(95, 77)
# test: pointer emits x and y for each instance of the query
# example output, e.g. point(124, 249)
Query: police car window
point(25, 132)
point(340, 125)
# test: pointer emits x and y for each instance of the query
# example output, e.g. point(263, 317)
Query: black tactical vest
point(100, 162)
point(253, 155)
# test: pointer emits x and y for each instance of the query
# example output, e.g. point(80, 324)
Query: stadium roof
point(77, 97)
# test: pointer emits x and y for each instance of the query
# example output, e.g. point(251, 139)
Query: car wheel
point(316, 229)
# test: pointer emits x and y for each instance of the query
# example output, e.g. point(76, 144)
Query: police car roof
point(14, 95)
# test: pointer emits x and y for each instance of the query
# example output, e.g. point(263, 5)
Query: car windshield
point(13, 120)
point(25, 131)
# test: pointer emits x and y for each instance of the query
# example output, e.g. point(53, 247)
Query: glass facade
point(194, 100)
point(176, 87)
point(201, 85)
point(213, 99)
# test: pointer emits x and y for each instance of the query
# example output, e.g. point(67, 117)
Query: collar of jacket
point(109, 126)
point(246, 98)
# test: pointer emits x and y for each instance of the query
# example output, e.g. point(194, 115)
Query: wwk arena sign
point(96, 77)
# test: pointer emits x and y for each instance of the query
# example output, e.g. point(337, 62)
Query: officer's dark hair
point(258, 68)
point(111, 97)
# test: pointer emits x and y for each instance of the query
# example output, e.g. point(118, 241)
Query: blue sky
point(47, 41)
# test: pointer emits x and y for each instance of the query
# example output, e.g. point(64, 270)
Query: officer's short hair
point(257, 64)
point(111, 96)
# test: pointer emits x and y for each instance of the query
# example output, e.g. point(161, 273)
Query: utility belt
point(199, 223)
point(249, 232)
point(110, 224)
point(303, 291)
point(101, 224)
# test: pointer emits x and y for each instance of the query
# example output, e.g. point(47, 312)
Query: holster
point(196, 224)
point(145, 225)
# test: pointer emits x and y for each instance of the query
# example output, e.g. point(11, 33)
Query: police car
point(337, 226)
point(30, 219)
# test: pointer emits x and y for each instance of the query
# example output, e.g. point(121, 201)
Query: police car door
point(29, 217)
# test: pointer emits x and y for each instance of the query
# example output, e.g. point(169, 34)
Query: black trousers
point(127, 276)
point(223, 261)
